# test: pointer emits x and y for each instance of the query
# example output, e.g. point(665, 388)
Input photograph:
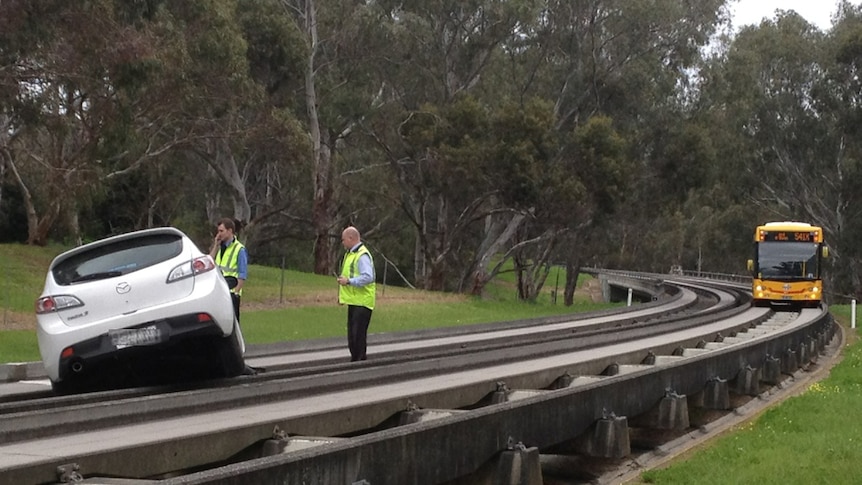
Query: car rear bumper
point(81, 356)
point(211, 297)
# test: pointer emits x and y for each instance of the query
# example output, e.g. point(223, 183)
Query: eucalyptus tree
point(103, 91)
point(585, 179)
point(842, 96)
point(223, 137)
point(531, 193)
point(674, 149)
point(791, 94)
point(447, 167)
point(218, 101)
point(331, 91)
point(69, 72)
point(439, 53)
point(625, 59)
point(629, 62)
point(31, 93)
point(839, 99)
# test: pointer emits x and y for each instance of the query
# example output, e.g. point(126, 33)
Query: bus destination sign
point(788, 236)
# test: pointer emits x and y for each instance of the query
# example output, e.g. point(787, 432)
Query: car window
point(117, 259)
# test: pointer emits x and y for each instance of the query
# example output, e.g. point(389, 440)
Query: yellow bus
point(787, 264)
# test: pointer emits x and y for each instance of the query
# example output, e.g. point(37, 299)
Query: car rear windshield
point(117, 259)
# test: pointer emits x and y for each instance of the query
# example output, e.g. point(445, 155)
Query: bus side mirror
point(825, 251)
point(750, 265)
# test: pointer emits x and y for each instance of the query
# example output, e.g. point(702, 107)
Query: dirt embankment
point(10, 320)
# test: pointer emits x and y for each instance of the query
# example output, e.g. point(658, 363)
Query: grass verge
point(813, 437)
point(330, 321)
point(281, 305)
point(18, 346)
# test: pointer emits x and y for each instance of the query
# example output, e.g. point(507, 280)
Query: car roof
point(113, 239)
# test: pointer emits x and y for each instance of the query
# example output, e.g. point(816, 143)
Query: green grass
point(815, 437)
point(24, 274)
point(267, 284)
point(18, 346)
point(330, 321)
point(291, 305)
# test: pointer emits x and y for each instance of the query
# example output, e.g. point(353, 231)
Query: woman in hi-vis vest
point(357, 290)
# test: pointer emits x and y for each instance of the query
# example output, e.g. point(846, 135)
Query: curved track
point(353, 410)
point(302, 358)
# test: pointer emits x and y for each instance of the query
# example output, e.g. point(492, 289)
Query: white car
point(149, 297)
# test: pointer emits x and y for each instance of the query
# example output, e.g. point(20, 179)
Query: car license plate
point(786, 297)
point(135, 336)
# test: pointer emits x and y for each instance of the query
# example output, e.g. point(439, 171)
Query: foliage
point(639, 134)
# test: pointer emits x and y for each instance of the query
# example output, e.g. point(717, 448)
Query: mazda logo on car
point(123, 288)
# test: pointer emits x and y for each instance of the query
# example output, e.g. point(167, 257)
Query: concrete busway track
point(22, 379)
point(16, 422)
point(147, 436)
point(297, 359)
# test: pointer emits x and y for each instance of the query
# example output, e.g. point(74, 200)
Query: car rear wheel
point(76, 384)
point(229, 354)
point(63, 388)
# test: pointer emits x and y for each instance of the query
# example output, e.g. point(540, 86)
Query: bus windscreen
point(788, 260)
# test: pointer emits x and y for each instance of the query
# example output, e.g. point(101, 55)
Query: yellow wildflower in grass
point(817, 387)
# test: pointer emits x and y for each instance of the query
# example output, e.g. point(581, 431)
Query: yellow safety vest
point(356, 295)
point(227, 260)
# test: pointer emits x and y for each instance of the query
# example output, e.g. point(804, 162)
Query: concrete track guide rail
point(28, 418)
point(447, 416)
point(662, 298)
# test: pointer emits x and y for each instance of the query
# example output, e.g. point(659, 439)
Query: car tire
point(63, 388)
point(229, 354)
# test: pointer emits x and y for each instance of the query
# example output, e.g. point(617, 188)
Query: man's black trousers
point(358, 319)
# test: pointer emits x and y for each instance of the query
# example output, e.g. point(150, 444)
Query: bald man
point(357, 290)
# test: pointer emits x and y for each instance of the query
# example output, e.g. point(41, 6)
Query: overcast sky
point(753, 11)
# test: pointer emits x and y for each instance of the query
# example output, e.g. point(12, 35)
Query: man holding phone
point(356, 290)
point(231, 258)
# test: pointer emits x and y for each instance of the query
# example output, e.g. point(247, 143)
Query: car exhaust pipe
point(77, 366)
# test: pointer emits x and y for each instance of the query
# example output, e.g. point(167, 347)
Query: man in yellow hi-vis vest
point(231, 258)
point(357, 290)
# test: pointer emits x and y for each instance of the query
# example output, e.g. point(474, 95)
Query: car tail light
point(55, 303)
point(195, 267)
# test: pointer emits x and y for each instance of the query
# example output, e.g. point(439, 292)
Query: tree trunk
point(573, 270)
point(37, 228)
point(533, 266)
point(495, 238)
point(420, 252)
point(321, 210)
point(321, 205)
